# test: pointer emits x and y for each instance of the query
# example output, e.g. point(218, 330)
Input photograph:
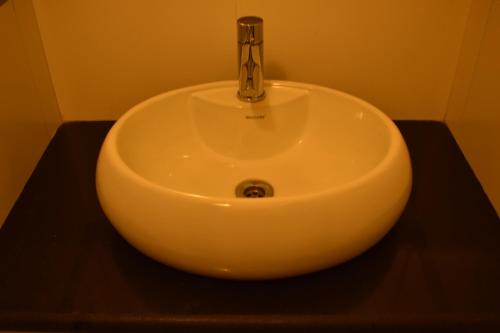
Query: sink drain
point(254, 189)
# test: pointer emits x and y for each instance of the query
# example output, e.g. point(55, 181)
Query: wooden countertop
point(64, 268)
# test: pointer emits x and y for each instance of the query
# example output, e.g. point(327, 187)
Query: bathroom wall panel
point(27, 120)
point(399, 55)
point(33, 47)
point(474, 109)
point(107, 55)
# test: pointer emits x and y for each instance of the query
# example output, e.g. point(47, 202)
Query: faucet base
point(252, 99)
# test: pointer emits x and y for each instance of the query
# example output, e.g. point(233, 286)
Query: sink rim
point(396, 143)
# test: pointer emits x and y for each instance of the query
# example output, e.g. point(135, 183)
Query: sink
point(303, 180)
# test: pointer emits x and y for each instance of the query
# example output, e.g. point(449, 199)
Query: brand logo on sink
point(261, 116)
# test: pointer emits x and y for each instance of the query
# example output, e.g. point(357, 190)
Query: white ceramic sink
point(168, 170)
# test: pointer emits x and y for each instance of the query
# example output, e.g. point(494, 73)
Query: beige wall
point(28, 109)
point(107, 55)
point(474, 108)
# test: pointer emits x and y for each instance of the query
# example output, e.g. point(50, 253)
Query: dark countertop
point(63, 266)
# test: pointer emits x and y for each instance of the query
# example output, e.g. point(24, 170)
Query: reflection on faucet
point(250, 59)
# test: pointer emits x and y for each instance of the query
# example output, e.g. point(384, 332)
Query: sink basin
point(337, 168)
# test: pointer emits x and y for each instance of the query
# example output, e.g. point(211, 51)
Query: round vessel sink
point(303, 180)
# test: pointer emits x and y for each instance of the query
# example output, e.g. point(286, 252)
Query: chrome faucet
point(250, 59)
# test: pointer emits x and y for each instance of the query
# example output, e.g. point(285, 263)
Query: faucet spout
point(250, 59)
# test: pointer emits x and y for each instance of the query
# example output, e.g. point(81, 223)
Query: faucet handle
point(250, 30)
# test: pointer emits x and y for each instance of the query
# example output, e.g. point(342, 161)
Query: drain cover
point(254, 189)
